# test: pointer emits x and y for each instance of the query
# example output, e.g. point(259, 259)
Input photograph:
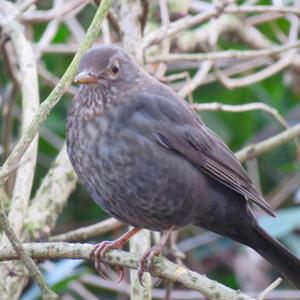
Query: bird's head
point(107, 66)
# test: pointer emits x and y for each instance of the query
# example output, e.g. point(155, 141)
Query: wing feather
point(176, 127)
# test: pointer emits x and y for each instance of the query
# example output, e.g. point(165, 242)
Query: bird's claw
point(121, 273)
point(99, 252)
point(146, 262)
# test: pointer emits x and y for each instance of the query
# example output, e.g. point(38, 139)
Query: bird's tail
point(274, 252)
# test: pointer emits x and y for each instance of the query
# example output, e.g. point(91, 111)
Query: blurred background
point(55, 29)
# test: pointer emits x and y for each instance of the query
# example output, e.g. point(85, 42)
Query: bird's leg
point(146, 261)
point(100, 249)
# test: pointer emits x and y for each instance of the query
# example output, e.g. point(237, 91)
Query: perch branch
point(162, 267)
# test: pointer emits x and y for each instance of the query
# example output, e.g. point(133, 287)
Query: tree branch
point(8, 24)
point(46, 107)
point(88, 232)
point(30, 101)
point(255, 150)
point(131, 15)
point(217, 55)
point(51, 196)
point(162, 267)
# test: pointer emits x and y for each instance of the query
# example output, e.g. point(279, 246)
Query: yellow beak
point(85, 78)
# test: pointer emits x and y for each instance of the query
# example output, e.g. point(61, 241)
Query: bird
point(146, 157)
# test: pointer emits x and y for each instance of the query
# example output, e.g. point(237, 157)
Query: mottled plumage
point(148, 160)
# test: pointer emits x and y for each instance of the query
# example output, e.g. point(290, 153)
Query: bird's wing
point(176, 127)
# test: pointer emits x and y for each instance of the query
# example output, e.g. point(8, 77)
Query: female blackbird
point(149, 161)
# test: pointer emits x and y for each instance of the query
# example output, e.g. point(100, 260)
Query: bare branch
point(51, 196)
point(86, 233)
point(175, 27)
point(189, 21)
point(197, 79)
point(262, 9)
point(165, 19)
point(70, 7)
point(22, 189)
point(58, 91)
point(217, 55)
point(161, 267)
point(131, 14)
point(260, 75)
point(33, 128)
point(255, 150)
point(270, 288)
point(216, 106)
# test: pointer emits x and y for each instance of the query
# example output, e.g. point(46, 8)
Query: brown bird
point(148, 160)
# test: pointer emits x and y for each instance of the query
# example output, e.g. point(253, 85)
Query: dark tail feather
point(274, 252)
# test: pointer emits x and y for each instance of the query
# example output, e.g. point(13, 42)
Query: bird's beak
point(85, 78)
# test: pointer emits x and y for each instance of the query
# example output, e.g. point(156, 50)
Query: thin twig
point(269, 289)
point(216, 106)
point(89, 232)
point(196, 80)
point(54, 13)
point(234, 9)
point(255, 150)
point(217, 55)
point(52, 80)
point(260, 75)
point(184, 23)
point(165, 19)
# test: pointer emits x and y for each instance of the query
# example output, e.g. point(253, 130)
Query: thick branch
point(131, 14)
point(41, 115)
point(46, 107)
point(30, 101)
point(19, 252)
point(51, 196)
point(161, 267)
point(30, 104)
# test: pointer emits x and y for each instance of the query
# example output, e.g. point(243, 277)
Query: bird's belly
point(144, 185)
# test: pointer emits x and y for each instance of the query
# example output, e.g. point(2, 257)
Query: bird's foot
point(146, 262)
point(100, 250)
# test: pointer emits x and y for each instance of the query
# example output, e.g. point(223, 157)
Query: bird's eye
point(115, 68)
